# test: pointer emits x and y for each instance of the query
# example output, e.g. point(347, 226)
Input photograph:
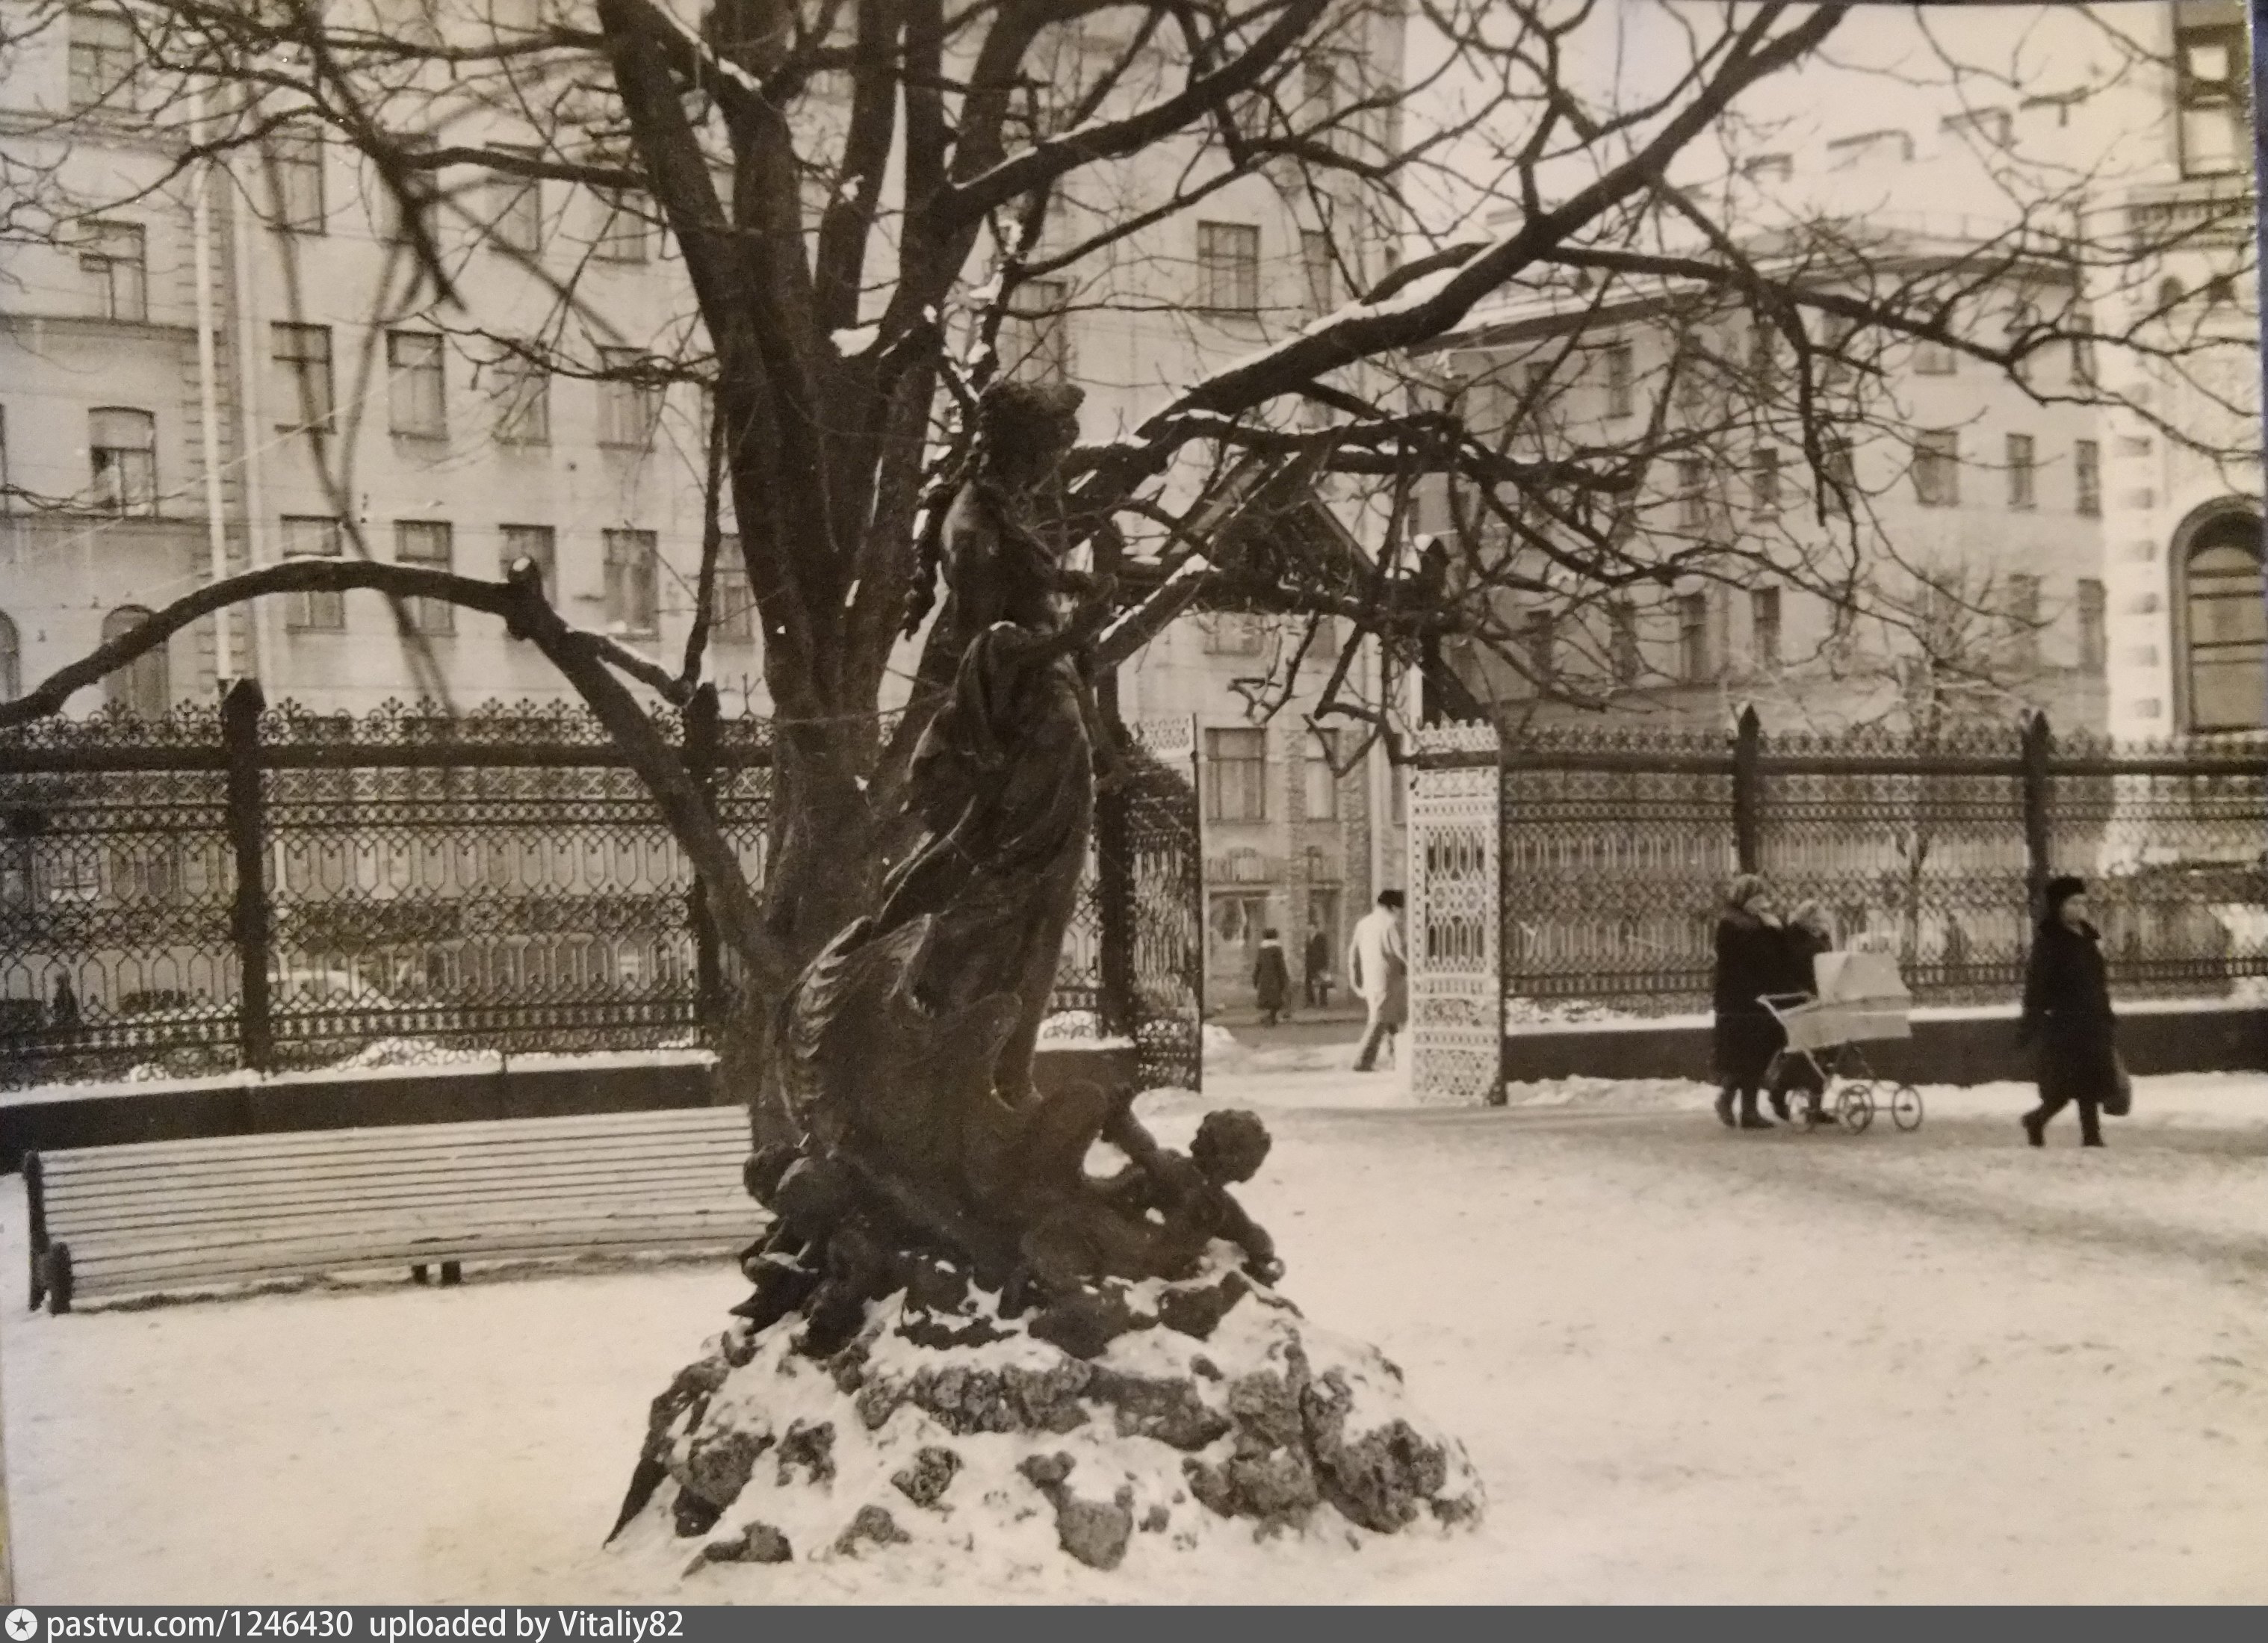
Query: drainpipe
point(244, 292)
point(209, 391)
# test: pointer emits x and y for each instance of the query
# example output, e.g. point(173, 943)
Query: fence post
point(1455, 916)
point(2039, 834)
point(1114, 879)
point(1748, 737)
point(240, 708)
point(701, 732)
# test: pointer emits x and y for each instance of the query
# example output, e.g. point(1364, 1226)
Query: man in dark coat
point(2067, 1016)
point(1317, 967)
point(1271, 978)
point(1751, 961)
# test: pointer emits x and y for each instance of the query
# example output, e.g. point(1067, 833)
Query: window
point(313, 612)
point(1319, 82)
point(1836, 332)
point(2024, 620)
point(1237, 762)
point(1228, 268)
point(295, 182)
point(102, 58)
point(732, 613)
point(1764, 481)
point(1539, 637)
point(1619, 397)
point(1692, 499)
point(1693, 637)
point(2086, 477)
point(1769, 168)
point(515, 209)
point(1992, 126)
point(1933, 359)
point(1036, 332)
point(2225, 627)
point(1764, 627)
point(1322, 784)
point(2210, 66)
point(1233, 633)
point(408, 213)
point(415, 383)
point(6, 497)
point(633, 584)
point(1320, 263)
point(535, 542)
point(115, 257)
point(430, 544)
point(302, 376)
point(2022, 491)
point(122, 449)
point(12, 662)
point(1763, 358)
point(630, 403)
point(141, 688)
point(1623, 652)
point(2082, 351)
point(1937, 468)
point(624, 235)
point(523, 401)
point(2093, 639)
point(1842, 472)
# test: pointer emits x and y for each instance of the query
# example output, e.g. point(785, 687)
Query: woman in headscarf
point(1751, 960)
point(2067, 1015)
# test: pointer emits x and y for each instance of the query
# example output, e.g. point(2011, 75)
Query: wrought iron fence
point(1607, 855)
point(244, 887)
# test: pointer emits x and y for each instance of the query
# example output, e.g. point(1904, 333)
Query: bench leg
point(39, 1279)
point(59, 1279)
point(417, 1275)
point(452, 1274)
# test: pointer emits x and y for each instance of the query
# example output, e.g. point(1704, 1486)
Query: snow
point(383, 1059)
point(854, 340)
point(1689, 1365)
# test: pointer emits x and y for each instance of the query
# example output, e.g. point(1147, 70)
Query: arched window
point(12, 662)
point(141, 688)
point(2224, 637)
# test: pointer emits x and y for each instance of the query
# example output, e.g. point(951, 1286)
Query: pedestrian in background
point(1378, 969)
point(2067, 1019)
point(1751, 961)
point(1315, 966)
point(1271, 979)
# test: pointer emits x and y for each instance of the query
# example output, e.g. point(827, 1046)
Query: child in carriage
point(1807, 934)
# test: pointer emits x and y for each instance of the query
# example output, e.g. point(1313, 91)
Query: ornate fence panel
point(2174, 844)
point(1457, 888)
point(116, 883)
point(1615, 852)
point(1916, 847)
point(431, 887)
point(1615, 848)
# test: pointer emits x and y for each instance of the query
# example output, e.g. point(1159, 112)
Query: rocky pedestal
point(941, 1429)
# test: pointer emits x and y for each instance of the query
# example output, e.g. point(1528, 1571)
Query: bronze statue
point(903, 1052)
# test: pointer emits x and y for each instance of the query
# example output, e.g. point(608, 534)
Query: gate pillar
point(1455, 916)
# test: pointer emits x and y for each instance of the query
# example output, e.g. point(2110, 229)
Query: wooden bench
point(160, 1216)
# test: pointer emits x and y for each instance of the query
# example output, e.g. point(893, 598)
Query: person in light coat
point(1378, 969)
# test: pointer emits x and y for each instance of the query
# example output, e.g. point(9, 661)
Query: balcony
point(2205, 213)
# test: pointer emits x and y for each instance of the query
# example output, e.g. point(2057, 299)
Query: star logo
point(22, 1625)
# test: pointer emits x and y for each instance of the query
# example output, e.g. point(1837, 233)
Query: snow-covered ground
point(1689, 1364)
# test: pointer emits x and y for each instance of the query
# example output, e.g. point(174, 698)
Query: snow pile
point(943, 1435)
point(1610, 1095)
point(1567, 1013)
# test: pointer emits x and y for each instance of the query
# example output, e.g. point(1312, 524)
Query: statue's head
point(1027, 429)
point(1230, 1146)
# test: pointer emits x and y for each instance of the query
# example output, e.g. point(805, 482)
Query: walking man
point(1271, 979)
point(1378, 969)
point(2067, 1016)
point(1316, 971)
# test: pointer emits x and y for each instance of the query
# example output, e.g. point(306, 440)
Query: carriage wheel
point(1855, 1108)
point(1905, 1107)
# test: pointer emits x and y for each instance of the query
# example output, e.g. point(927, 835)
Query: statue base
point(943, 1430)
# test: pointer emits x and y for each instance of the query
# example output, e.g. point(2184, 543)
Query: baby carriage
point(1861, 999)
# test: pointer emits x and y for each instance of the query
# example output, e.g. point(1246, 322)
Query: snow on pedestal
point(944, 1433)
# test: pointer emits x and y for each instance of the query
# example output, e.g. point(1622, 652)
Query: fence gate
point(1146, 893)
point(1456, 886)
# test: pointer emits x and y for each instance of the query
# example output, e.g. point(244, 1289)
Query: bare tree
point(866, 197)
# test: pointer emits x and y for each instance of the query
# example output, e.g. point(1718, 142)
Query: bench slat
point(714, 1154)
point(137, 1157)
